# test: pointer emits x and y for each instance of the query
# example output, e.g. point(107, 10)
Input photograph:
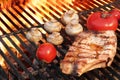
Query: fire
point(2, 61)
point(44, 8)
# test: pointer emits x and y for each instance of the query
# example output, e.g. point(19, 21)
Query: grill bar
point(29, 15)
point(6, 25)
point(23, 17)
point(19, 19)
point(3, 74)
point(20, 51)
point(107, 74)
point(11, 65)
point(20, 22)
point(17, 60)
point(16, 27)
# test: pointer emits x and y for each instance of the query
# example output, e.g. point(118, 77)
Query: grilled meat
point(89, 51)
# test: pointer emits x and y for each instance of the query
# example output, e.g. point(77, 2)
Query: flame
point(2, 61)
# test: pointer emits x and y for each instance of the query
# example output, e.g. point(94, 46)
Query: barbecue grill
point(17, 54)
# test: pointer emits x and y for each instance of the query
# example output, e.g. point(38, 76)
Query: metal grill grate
point(19, 54)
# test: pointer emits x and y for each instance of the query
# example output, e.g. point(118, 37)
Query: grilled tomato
point(46, 52)
point(102, 21)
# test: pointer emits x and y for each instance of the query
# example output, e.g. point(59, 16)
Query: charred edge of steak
point(100, 64)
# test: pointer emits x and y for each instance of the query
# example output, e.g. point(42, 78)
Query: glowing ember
point(2, 62)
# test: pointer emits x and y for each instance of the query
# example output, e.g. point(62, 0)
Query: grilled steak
point(89, 51)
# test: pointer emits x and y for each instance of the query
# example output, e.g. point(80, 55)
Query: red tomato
point(115, 13)
point(101, 21)
point(46, 52)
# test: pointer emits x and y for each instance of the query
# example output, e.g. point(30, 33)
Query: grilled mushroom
point(34, 35)
point(53, 26)
point(68, 16)
point(73, 28)
point(55, 38)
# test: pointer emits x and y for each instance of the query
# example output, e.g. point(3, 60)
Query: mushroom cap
point(73, 29)
point(53, 26)
point(68, 16)
point(55, 38)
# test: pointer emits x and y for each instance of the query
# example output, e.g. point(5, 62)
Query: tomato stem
point(105, 15)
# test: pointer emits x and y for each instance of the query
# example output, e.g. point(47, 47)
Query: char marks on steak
point(89, 51)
